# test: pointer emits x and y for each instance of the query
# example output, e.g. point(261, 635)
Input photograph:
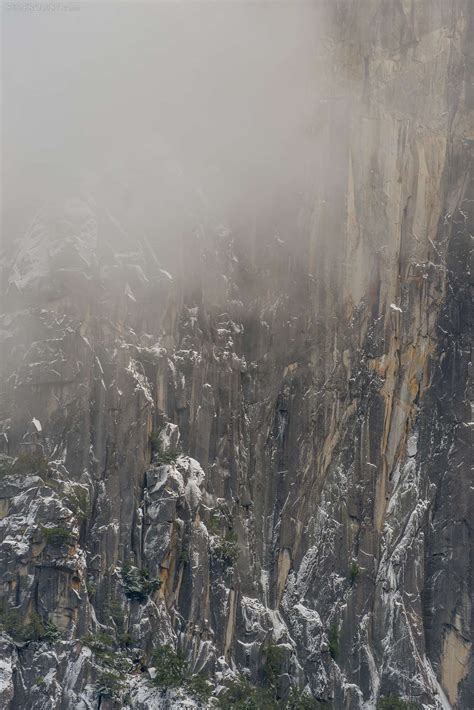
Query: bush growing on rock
point(114, 609)
point(58, 536)
point(354, 572)
point(300, 701)
point(242, 695)
point(125, 639)
point(24, 463)
point(227, 549)
point(109, 685)
point(154, 441)
point(100, 644)
point(31, 463)
point(104, 648)
point(214, 524)
point(333, 640)
point(49, 632)
point(137, 583)
point(183, 557)
point(166, 457)
point(390, 702)
point(158, 455)
point(11, 623)
point(31, 629)
point(171, 671)
point(91, 588)
point(170, 668)
point(199, 686)
point(78, 502)
point(273, 655)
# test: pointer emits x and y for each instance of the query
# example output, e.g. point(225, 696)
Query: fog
point(162, 112)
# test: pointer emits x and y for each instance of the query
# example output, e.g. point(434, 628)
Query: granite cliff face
point(261, 460)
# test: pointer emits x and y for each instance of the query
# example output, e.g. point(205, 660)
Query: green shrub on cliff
point(159, 456)
point(101, 644)
point(199, 686)
point(227, 548)
point(333, 640)
point(171, 671)
point(242, 695)
point(58, 536)
point(33, 628)
point(273, 656)
point(391, 702)
point(109, 685)
point(137, 583)
point(170, 667)
point(31, 463)
point(300, 701)
point(354, 571)
point(24, 463)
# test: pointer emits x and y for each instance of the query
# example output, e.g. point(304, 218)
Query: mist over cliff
point(163, 113)
point(235, 355)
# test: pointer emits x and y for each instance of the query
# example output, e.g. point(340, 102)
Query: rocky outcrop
point(261, 460)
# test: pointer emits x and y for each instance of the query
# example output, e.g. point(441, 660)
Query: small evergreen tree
point(170, 668)
point(333, 639)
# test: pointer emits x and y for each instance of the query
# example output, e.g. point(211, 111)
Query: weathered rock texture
point(316, 386)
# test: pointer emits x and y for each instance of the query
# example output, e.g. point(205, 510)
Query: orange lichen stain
point(331, 441)
point(290, 369)
point(379, 365)
point(284, 566)
point(174, 597)
point(229, 631)
point(454, 663)
point(163, 577)
point(4, 507)
point(406, 376)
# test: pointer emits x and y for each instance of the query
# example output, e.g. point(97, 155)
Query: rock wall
point(265, 454)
